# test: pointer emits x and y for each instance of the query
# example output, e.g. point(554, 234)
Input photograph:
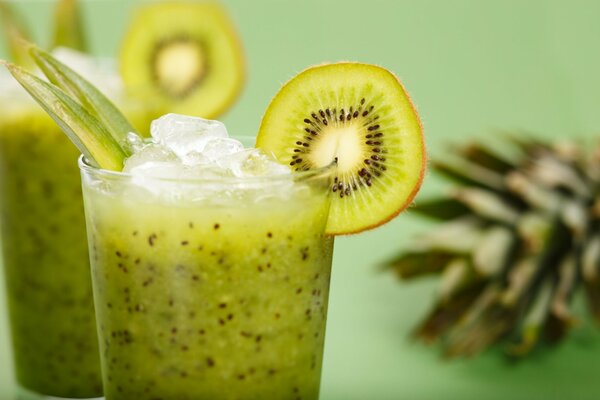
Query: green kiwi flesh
point(360, 116)
point(186, 56)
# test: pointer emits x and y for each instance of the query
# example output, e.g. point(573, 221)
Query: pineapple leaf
point(467, 173)
point(410, 265)
point(85, 131)
point(458, 274)
point(533, 193)
point(534, 228)
point(440, 209)
point(591, 274)
point(567, 281)
point(487, 204)
point(520, 279)
point(15, 33)
point(486, 321)
point(557, 174)
point(487, 158)
point(524, 247)
point(494, 251)
point(534, 320)
point(527, 143)
point(88, 95)
point(592, 290)
point(68, 26)
point(458, 236)
point(446, 314)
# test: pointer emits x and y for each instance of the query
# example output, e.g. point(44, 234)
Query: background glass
point(46, 259)
point(472, 67)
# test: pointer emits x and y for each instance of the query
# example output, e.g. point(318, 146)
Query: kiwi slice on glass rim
point(184, 54)
point(357, 115)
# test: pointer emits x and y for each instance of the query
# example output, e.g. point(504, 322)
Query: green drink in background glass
point(46, 258)
point(209, 288)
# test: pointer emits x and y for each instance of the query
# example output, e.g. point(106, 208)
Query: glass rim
point(326, 171)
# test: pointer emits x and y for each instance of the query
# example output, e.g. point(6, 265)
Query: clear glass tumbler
point(49, 291)
point(210, 288)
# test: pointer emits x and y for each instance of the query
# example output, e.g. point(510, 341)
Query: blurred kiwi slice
point(357, 115)
point(185, 56)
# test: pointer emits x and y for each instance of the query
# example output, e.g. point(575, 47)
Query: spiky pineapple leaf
point(531, 243)
point(446, 314)
point(441, 209)
point(533, 323)
point(69, 28)
point(487, 204)
point(487, 158)
point(557, 174)
point(84, 130)
point(15, 32)
point(94, 101)
point(560, 318)
point(414, 264)
point(486, 321)
point(469, 174)
point(494, 251)
point(456, 276)
point(459, 236)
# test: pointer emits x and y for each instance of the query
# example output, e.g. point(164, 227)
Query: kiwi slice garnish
point(185, 55)
point(359, 116)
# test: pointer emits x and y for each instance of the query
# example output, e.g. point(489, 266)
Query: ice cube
point(219, 147)
point(252, 163)
point(133, 142)
point(194, 158)
point(208, 171)
point(214, 149)
point(186, 136)
point(149, 159)
point(158, 170)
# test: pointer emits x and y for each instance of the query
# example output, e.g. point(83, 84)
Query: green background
point(473, 68)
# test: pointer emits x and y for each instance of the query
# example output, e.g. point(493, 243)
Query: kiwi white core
point(338, 142)
point(180, 66)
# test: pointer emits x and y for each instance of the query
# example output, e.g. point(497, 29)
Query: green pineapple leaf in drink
point(89, 134)
point(87, 94)
point(68, 26)
point(15, 31)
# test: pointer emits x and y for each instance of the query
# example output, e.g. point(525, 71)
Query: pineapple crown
point(518, 239)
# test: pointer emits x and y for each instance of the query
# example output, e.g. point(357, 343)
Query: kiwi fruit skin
point(210, 33)
point(282, 124)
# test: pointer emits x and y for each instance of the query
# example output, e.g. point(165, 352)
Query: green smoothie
point(46, 258)
point(206, 298)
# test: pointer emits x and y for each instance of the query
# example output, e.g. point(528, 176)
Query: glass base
point(25, 394)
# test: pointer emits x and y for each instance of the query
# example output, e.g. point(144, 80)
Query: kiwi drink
point(214, 298)
point(210, 269)
point(46, 259)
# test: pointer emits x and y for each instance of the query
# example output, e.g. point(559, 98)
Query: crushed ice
point(184, 148)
